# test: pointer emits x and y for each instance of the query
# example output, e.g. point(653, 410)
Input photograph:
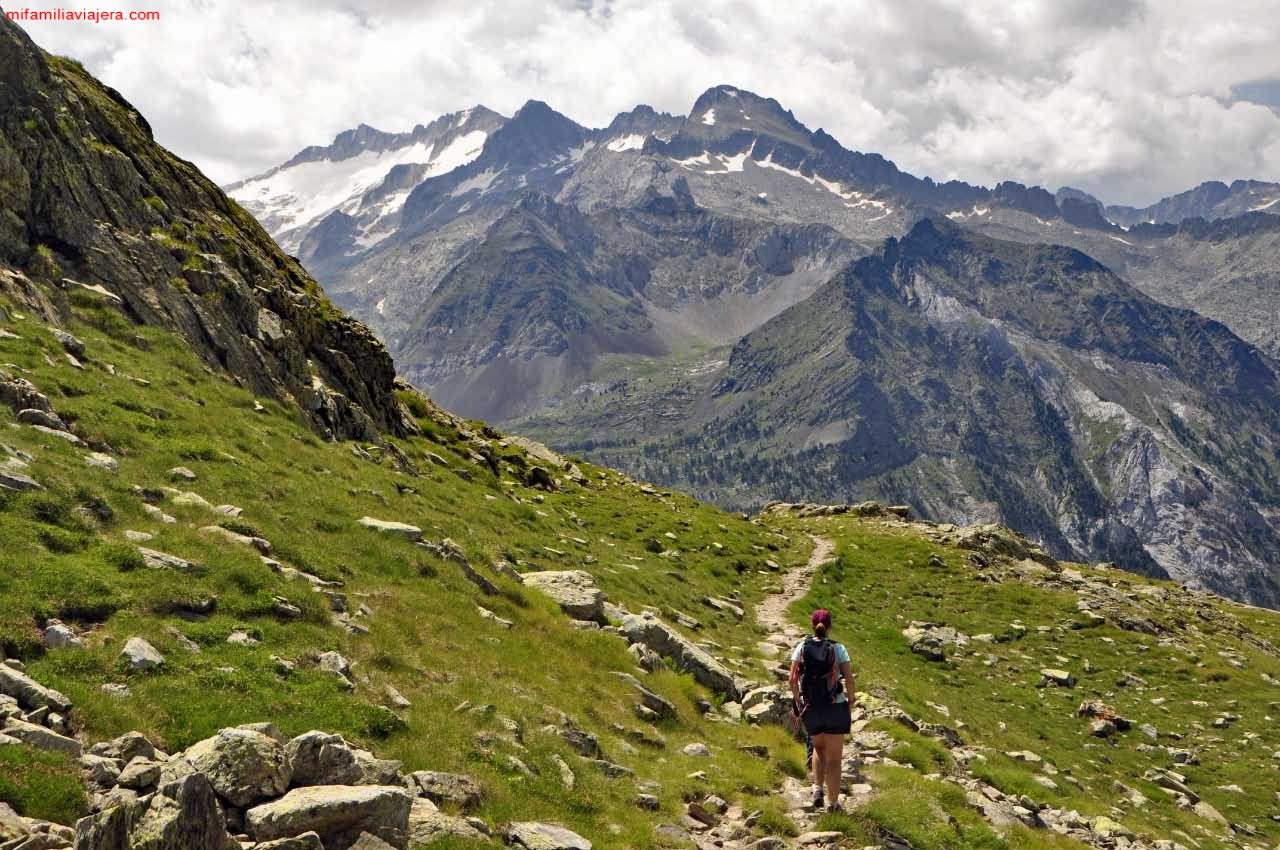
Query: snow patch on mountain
point(709, 117)
point(291, 198)
point(633, 142)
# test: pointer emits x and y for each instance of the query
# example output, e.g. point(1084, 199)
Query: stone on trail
point(370, 842)
point(338, 813)
point(400, 529)
point(574, 590)
point(532, 835)
point(245, 766)
point(140, 655)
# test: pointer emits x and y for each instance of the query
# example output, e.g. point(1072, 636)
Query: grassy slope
point(427, 637)
point(429, 641)
point(881, 581)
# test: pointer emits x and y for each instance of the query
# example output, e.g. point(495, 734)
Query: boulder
point(370, 842)
point(574, 590)
point(58, 635)
point(11, 480)
point(661, 707)
point(399, 529)
point(12, 826)
point(1054, 678)
point(339, 814)
point(29, 693)
point(446, 788)
point(684, 654)
point(126, 748)
point(244, 766)
point(140, 655)
point(163, 561)
point(532, 835)
point(139, 775)
point(318, 758)
point(182, 815)
point(427, 824)
point(931, 640)
point(41, 738)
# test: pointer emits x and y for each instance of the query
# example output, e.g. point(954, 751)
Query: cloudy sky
point(1128, 99)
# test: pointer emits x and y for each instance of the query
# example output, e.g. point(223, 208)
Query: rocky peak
point(534, 134)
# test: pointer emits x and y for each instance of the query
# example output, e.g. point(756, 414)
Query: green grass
point(65, 556)
point(880, 583)
point(41, 785)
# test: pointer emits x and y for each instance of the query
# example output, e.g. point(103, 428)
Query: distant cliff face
point(90, 200)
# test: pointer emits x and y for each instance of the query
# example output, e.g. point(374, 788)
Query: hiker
point(821, 678)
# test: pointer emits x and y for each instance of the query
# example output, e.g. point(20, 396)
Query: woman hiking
point(821, 678)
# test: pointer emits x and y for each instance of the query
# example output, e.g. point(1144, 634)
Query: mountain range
point(719, 301)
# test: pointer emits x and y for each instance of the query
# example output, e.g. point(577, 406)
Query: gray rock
point(574, 590)
point(163, 561)
point(141, 774)
point(29, 693)
point(684, 654)
point(244, 766)
point(447, 788)
point(11, 480)
point(662, 708)
point(41, 738)
point(42, 419)
point(182, 815)
point(100, 460)
point(533, 835)
point(338, 813)
point(140, 655)
point(126, 748)
point(399, 529)
point(336, 665)
point(427, 824)
point(181, 473)
point(318, 758)
point(1052, 677)
point(69, 343)
point(370, 842)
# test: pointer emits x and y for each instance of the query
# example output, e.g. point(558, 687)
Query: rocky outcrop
point(338, 813)
point(574, 590)
point(684, 654)
point(93, 203)
point(244, 766)
point(182, 815)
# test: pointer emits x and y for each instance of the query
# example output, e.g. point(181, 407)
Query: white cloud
point(1126, 99)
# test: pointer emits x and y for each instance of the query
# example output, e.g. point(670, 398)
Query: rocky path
point(734, 829)
point(772, 612)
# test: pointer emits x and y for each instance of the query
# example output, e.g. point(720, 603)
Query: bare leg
point(819, 760)
point(834, 764)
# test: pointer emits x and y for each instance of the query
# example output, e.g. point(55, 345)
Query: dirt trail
point(772, 612)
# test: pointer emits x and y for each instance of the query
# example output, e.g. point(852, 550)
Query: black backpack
point(819, 672)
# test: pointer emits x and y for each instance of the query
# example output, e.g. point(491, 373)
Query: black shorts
point(830, 719)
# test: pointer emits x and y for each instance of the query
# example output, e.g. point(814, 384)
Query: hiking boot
point(818, 799)
point(834, 807)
